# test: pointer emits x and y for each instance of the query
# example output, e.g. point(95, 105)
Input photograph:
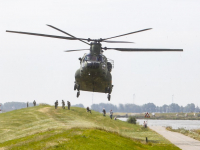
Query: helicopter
point(94, 74)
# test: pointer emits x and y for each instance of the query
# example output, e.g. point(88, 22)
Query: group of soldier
point(69, 104)
point(34, 103)
point(63, 104)
point(104, 112)
point(111, 114)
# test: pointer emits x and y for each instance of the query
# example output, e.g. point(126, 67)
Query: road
point(180, 140)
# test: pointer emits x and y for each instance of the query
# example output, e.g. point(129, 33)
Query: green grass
point(43, 127)
point(195, 133)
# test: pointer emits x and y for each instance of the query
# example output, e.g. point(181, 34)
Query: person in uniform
point(111, 114)
point(27, 104)
point(34, 103)
point(68, 105)
point(104, 112)
point(56, 104)
point(63, 104)
point(88, 109)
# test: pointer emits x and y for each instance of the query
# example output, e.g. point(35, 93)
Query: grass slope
point(43, 127)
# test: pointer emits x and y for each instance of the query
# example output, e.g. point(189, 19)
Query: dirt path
point(180, 140)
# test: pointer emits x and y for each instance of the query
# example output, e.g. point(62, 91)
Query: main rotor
point(95, 44)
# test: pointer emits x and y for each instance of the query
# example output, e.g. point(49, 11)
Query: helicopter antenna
point(67, 33)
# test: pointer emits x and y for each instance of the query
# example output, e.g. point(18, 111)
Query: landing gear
point(108, 90)
point(109, 96)
point(75, 87)
point(78, 87)
point(78, 93)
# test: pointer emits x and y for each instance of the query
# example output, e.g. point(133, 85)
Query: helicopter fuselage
point(95, 71)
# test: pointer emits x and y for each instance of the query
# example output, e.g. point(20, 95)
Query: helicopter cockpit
point(90, 57)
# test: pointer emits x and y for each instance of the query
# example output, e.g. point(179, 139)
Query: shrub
point(43, 104)
point(169, 128)
point(132, 120)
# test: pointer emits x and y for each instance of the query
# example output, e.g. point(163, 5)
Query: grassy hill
point(43, 127)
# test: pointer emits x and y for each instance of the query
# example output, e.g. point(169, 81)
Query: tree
point(189, 108)
point(131, 120)
point(174, 107)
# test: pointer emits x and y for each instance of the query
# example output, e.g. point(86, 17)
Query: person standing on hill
point(104, 112)
point(68, 105)
point(56, 104)
point(34, 103)
point(111, 114)
point(63, 104)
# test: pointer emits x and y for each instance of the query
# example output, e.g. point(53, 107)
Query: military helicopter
point(95, 69)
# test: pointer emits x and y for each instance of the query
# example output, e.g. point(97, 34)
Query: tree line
point(9, 106)
point(149, 107)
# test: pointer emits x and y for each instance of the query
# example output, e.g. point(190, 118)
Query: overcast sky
point(36, 68)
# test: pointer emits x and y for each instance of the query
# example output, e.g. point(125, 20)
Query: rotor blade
point(117, 41)
point(67, 33)
point(128, 33)
point(76, 50)
point(142, 49)
point(46, 35)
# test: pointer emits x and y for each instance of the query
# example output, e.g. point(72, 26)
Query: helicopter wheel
point(78, 88)
point(108, 90)
point(75, 87)
point(109, 96)
point(78, 93)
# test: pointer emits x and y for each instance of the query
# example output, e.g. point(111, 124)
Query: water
point(175, 124)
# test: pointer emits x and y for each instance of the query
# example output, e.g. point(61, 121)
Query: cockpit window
point(93, 58)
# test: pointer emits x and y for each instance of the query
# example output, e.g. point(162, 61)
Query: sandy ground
point(180, 140)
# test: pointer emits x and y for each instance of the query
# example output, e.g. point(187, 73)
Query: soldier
point(56, 104)
point(68, 105)
point(34, 103)
point(27, 104)
point(104, 112)
point(111, 114)
point(88, 109)
point(63, 104)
